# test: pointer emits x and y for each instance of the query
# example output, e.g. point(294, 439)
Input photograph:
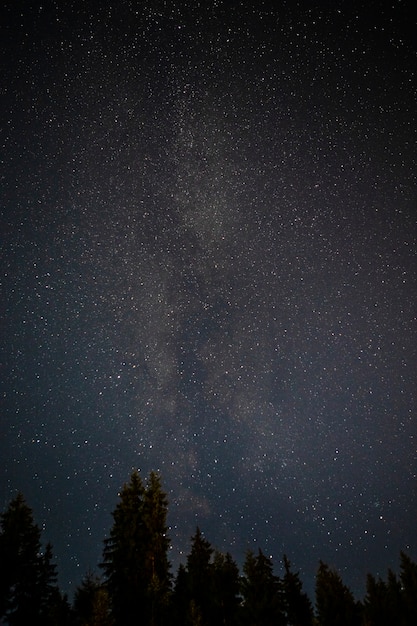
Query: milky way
point(209, 269)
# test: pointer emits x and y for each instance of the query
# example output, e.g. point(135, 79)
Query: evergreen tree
point(55, 610)
point(100, 613)
point(180, 600)
point(394, 596)
point(335, 603)
point(91, 603)
point(135, 561)
point(48, 574)
point(376, 605)
point(199, 575)
point(262, 592)
point(408, 579)
point(123, 555)
point(59, 613)
point(393, 602)
point(156, 564)
point(206, 591)
point(28, 578)
point(298, 608)
point(226, 587)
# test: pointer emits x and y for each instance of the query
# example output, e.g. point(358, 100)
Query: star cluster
point(209, 269)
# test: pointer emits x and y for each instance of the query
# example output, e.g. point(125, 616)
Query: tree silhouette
point(156, 563)
point(335, 604)
point(408, 579)
point(135, 562)
point(377, 608)
point(199, 575)
point(262, 592)
point(28, 587)
point(180, 600)
point(208, 591)
point(225, 589)
point(394, 601)
point(123, 555)
point(91, 603)
point(298, 608)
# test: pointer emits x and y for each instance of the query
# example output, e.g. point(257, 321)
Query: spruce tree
point(91, 603)
point(226, 589)
point(298, 608)
point(335, 604)
point(135, 562)
point(199, 574)
point(262, 592)
point(377, 608)
point(408, 580)
point(180, 599)
point(28, 590)
point(156, 563)
point(123, 555)
point(395, 599)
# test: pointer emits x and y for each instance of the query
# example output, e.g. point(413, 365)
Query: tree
point(394, 596)
point(135, 562)
point(28, 590)
point(262, 592)
point(394, 601)
point(156, 563)
point(91, 603)
point(298, 609)
point(180, 599)
point(408, 579)
point(199, 575)
point(335, 604)
point(55, 609)
point(206, 590)
point(123, 555)
point(377, 607)
point(226, 589)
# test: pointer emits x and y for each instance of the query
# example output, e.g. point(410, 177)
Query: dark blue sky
point(208, 239)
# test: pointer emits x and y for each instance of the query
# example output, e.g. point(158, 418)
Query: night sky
point(208, 268)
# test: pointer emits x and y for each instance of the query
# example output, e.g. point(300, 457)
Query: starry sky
point(208, 268)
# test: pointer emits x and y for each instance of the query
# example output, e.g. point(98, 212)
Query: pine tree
point(54, 607)
point(298, 608)
point(91, 603)
point(123, 555)
point(28, 576)
point(394, 601)
point(206, 590)
point(156, 561)
point(59, 613)
point(262, 592)
point(226, 587)
point(394, 592)
point(199, 575)
point(135, 562)
point(335, 604)
point(180, 599)
point(408, 579)
point(376, 605)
